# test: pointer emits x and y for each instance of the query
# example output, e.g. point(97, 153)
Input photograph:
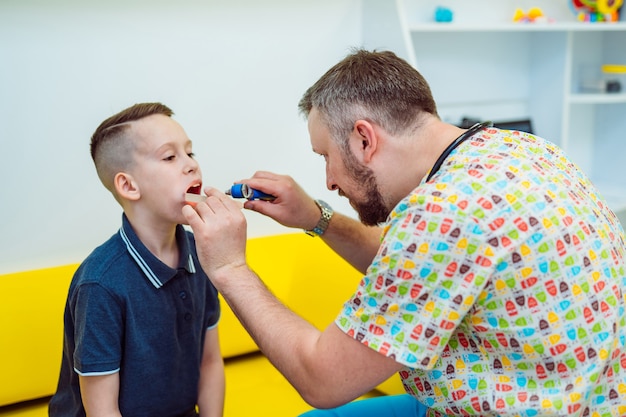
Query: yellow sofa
point(302, 271)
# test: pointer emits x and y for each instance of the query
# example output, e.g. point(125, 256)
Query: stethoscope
point(468, 134)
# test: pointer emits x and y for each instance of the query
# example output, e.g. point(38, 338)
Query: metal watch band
point(322, 225)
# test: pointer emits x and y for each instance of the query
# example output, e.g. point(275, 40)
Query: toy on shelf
point(443, 14)
point(613, 73)
point(534, 15)
point(597, 10)
point(607, 78)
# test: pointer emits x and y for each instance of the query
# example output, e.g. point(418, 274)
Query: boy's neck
point(160, 240)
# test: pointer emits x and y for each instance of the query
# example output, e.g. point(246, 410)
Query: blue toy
point(443, 14)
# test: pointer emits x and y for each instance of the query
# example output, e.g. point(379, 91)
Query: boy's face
point(164, 168)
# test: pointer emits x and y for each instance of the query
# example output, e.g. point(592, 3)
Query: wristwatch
point(322, 225)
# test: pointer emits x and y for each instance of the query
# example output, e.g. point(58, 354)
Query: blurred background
point(233, 71)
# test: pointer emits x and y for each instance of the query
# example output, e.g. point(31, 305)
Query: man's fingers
point(265, 175)
point(212, 192)
point(193, 219)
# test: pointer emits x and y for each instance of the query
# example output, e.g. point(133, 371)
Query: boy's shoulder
point(104, 259)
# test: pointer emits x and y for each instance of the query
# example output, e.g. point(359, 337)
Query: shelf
point(518, 27)
point(599, 98)
point(484, 65)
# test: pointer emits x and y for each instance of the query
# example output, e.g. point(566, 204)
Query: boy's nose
point(192, 165)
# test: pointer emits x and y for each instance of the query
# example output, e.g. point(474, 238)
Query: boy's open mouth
point(193, 196)
point(195, 189)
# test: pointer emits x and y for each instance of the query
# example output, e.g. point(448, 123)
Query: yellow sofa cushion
point(255, 388)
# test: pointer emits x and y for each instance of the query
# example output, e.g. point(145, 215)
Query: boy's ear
point(126, 187)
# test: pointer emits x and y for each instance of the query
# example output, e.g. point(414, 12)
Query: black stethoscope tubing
point(466, 135)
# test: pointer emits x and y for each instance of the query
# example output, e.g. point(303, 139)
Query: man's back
point(507, 272)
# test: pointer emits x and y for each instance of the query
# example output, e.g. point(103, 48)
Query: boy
point(141, 316)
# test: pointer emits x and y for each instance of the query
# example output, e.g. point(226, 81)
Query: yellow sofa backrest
point(301, 271)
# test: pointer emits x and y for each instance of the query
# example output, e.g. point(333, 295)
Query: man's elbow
point(322, 402)
point(324, 395)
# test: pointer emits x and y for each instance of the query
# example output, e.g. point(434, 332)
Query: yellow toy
point(534, 15)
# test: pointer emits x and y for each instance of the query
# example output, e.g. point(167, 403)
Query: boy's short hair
point(111, 148)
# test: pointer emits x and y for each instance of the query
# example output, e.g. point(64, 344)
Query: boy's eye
point(191, 155)
point(169, 158)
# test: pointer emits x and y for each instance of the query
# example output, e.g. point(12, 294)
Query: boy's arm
point(212, 381)
point(100, 395)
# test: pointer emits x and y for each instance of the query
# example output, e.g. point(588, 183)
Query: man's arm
point(352, 240)
point(100, 395)
point(211, 390)
point(293, 207)
point(327, 368)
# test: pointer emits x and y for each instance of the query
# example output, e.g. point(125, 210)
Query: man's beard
point(373, 211)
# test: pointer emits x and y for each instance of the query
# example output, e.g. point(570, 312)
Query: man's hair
point(376, 86)
point(112, 148)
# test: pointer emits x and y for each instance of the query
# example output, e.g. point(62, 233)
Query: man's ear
point(364, 140)
point(126, 187)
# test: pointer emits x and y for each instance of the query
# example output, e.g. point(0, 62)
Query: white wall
point(232, 70)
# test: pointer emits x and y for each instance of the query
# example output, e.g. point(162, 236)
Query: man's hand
point(293, 207)
point(219, 228)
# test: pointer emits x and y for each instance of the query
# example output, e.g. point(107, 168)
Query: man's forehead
point(316, 123)
point(318, 132)
point(314, 116)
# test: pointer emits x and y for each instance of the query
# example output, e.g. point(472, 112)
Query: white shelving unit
point(484, 66)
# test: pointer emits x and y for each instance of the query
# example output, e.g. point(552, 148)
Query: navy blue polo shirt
point(130, 313)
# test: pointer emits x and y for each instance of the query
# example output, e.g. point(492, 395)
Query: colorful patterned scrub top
point(500, 285)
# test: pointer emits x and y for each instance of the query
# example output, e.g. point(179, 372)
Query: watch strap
point(322, 224)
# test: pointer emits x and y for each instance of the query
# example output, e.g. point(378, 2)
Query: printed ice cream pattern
point(499, 285)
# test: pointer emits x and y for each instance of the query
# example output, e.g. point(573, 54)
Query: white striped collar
point(143, 263)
